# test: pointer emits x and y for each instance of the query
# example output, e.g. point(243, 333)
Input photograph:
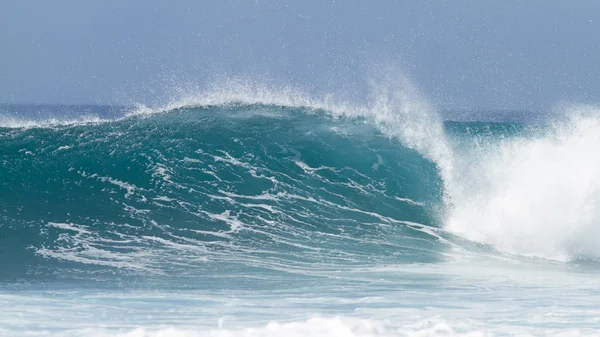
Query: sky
point(528, 55)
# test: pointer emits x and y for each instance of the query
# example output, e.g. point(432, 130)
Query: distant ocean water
point(257, 213)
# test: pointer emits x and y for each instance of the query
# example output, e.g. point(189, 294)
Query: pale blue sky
point(461, 54)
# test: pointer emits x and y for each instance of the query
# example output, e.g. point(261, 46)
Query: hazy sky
point(461, 54)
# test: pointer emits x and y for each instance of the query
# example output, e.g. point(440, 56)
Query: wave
point(276, 180)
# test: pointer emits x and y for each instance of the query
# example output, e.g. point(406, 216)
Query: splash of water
point(536, 196)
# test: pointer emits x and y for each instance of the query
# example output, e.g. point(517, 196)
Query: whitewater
point(249, 210)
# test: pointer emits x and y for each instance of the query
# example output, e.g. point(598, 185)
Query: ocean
point(270, 213)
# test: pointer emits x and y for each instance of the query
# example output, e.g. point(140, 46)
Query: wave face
point(199, 187)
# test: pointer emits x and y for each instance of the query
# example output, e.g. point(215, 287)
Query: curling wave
point(274, 180)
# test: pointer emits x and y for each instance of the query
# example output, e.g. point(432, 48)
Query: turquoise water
point(296, 219)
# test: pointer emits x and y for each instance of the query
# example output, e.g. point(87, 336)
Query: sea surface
point(254, 213)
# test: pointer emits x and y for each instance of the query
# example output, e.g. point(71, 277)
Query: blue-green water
point(245, 219)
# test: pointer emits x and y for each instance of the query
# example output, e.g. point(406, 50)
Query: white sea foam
point(536, 196)
point(335, 327)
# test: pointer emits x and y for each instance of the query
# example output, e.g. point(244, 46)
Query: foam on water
point(344, 327)
point(537, 196)
point(476, 297)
